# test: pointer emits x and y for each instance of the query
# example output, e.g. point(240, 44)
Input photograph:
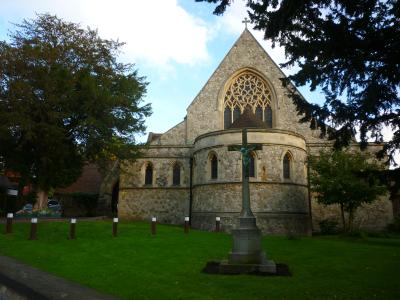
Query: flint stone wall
point(205, 113)
point(169, 205)
point(279, 207)
point(373, 216)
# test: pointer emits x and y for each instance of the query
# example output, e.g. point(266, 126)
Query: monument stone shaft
point(247, 254)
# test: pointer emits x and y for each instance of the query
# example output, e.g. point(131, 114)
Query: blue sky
point(175, 44)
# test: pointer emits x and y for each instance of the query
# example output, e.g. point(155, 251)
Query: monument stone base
point(247, 256)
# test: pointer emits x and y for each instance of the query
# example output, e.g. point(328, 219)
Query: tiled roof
point(89, 182)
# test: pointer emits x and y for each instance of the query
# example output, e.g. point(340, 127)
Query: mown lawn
point(136, 265)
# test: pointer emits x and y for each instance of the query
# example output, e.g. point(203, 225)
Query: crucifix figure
point(245, 21)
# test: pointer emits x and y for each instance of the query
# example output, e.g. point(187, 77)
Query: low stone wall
point(169, 205)
point(374, 216)
point(281, 208)
point(19, 281)
point(273, 223)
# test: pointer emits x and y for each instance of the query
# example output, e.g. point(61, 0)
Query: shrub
point(328, 226)
point(394, 226)
point(79, 204)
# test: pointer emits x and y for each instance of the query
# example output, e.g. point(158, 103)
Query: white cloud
point(157, 32)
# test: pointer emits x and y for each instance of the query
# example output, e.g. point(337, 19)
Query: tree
point(347, 179)
point(348, 49)
point(65, 101)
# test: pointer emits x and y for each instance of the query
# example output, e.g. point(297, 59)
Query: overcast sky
point(175, 44)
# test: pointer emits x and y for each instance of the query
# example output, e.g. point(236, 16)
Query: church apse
point(196, 173)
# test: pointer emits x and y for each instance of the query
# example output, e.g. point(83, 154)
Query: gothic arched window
point(247, 89)
point(268, 116)
point(214, 167)
point(286, 166)
point(227, 117)
point(148, 176)
point(176, 174)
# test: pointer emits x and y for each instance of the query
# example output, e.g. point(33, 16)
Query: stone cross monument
point(247, 255)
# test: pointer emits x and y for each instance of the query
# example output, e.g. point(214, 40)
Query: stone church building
point(191, 170)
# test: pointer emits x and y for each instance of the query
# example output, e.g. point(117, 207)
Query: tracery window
point(148, 176)
point(246, 89)
point(176, 174)
point(286, 166)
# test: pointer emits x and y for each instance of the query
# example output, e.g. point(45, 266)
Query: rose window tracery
point(247, 89)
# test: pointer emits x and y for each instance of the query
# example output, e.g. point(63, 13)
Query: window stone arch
point(287, 166)
point(148, 173)
point(177, 174)
point(212, 166)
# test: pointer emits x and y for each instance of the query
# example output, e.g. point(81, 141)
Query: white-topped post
point(33, 235)
point(72, 229)
point(153, 225)
point(217, 224)
point(115, 227)
point(187, 224)
point(9, 222)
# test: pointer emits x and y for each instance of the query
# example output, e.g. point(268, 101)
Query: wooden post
point(9, 223)
point(153, 226)
point(33, 235)
point(115, 227)
point(72, 229)
point(187, 225)
point(217, 224)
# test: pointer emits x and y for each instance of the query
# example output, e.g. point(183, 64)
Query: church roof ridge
point(245, 32)
point(220, 64)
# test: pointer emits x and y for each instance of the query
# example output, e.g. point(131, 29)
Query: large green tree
point(65, 100)
point(346, 179)
point(348, 49)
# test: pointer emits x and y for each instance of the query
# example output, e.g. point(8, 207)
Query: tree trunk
point(351, 219)
point(42, 197)
point(343, 218)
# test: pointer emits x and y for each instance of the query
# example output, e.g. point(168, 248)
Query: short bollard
point(153, 225)
point(115, 227)
point(9, 222)
point(217, 224)
point(186, 224)
point(33, 235)
point(72, 229)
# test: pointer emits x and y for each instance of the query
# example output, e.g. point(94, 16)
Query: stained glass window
point(259, 113)
point(176, 174)
point(286, 166)
point(227, 118)
point(252, 166)
point(214, 167)
point(268, 116)
point(148, 178)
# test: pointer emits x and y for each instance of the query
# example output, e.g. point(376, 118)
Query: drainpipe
point(190, 190)
point(309, 191)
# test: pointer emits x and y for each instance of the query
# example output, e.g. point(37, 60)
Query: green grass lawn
point(136, 265)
